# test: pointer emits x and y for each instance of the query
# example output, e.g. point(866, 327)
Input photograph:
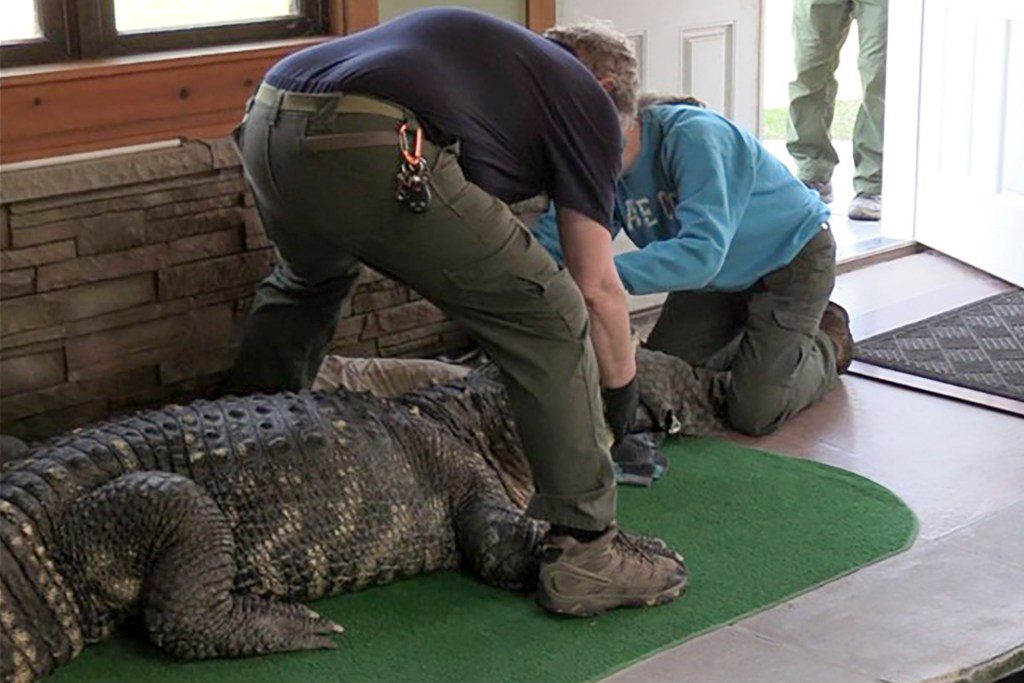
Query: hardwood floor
point(951, 604)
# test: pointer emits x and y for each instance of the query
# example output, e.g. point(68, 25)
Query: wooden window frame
point(57, 44)
point(540, 15)
point(360, 14)
point(87, 29)
point(99, 36)
point(79, 106)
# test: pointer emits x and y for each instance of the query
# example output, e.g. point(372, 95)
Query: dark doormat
point(979, 346)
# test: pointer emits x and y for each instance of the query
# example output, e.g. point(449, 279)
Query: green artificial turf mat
point(756, 529)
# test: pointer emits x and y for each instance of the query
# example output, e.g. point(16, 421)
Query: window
point(20, 22)
point(33, 31)
point(133, 16)
point(37, 31)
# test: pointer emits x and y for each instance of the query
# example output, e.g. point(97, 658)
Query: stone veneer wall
point(125, 281)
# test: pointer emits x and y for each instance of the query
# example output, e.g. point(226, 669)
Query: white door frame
point(902, 109)
point(759, 131)
point(902, 113)
point(924, 155)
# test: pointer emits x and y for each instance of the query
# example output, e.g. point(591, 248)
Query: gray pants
point(773, 359)
point(328, 203)
point(820, 28)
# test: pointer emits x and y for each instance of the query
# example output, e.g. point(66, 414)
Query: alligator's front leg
point(500, 543)
point(158, 540)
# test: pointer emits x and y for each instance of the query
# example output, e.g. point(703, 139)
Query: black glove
point(638, 460)
point(620, 408)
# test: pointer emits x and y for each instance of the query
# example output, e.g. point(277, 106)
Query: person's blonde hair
point(651, 99)
point(609, 55)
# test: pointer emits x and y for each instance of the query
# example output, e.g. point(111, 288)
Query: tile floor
point(951, 607)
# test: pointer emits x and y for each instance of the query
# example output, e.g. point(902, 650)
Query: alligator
point(211, 523)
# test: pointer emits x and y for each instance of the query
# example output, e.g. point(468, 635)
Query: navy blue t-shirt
point(530, 117)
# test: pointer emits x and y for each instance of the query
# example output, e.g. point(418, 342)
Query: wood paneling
point(80, 107)
point(540, 14)
point(361, 14)
point(336, 17)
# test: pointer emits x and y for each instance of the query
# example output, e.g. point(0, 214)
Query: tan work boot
point(865, 207)
point(613, 570)
point(835, 322)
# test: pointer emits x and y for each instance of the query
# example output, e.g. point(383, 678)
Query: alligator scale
point(212, 522)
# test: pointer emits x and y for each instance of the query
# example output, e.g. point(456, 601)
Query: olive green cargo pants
point(773, 359)
point(820, 28)
point(324, 186)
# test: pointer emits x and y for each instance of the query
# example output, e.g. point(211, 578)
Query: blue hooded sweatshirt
point(707, 205)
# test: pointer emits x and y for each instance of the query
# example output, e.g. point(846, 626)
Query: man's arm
point(589, 257)
point(545, 230)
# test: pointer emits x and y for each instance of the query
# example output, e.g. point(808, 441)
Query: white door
point(711, 50)
point(970, 189)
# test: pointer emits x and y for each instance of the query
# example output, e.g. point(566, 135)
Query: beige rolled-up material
point(384, 377)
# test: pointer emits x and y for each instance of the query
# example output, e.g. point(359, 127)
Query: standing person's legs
point(785, 362)
point(469, 255)
point(296, 308)
point(289, 326)
point(820, 28)
point(528, 315)
point(872, 25)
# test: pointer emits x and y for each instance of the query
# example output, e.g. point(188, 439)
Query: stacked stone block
point(124, 281)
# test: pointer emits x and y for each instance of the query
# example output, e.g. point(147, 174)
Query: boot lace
point(633, 546)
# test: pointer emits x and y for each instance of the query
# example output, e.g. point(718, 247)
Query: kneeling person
point(744, 250)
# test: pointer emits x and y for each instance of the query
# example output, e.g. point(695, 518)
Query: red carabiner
point(414, 158)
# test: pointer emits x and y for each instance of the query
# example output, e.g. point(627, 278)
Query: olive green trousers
point(820, 28)
point(326, 195)
point(772, 359)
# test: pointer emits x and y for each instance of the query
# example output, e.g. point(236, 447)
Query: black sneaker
point(638, 461)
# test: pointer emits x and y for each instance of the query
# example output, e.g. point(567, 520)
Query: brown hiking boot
point(613, 570)
point(835, 322)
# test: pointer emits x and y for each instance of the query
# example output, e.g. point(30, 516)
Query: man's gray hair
point(609, 55)
point(653, 99)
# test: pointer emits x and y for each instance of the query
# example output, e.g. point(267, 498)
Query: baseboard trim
point(889, 252)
